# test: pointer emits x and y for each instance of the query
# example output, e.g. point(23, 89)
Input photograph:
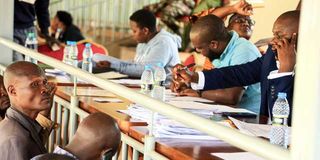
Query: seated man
point(210, 37)
point(4, 99)
point(97, 136)
point(274, 77)
point(22, 137)
point(63, 28)
point(153, 47)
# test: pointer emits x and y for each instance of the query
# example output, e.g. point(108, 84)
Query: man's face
point(281, 30)
point(32, 93)
point(55, 23)
point(139, 34)
point(4, 98)
point(204, 48)
point(243, 25)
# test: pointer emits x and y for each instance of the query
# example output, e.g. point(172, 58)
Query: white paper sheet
point(94, 92)
point(108, 100)
point(111, 75)
point(128, 81)
point(237, 156)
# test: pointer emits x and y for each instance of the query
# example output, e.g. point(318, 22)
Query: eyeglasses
point(251, 22)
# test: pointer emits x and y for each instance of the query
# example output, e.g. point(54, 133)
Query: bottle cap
point(282, 95)
point(69, 43)
point(88, 45)
point(147, 67)
point(160, 64)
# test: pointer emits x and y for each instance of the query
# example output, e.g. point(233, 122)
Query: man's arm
point(42, 12)
point(228, 96)
point(233, 76)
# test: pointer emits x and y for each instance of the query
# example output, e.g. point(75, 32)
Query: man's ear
point(11, 90)
point(145, 30)
point(213, 44)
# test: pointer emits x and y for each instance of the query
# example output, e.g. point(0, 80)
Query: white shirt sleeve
point(274, 74)
point(200, 84)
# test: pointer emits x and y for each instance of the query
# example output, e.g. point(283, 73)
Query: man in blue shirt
point(275, 75)
point(211, 38)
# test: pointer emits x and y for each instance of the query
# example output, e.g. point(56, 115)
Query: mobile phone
point(239, 114)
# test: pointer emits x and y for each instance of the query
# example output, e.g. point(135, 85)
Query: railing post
point(74, 102)
point(149, 146)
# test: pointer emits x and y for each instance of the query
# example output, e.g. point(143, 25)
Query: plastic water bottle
point(280, 112)
point(66, 53)
point(74, 54)
point(74, 57)
point(31, 43)
point(87, 58)
point(147, 80)
point(159, 89)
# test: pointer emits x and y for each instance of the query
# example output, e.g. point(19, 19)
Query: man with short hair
point(210, 37)
point(4, 99)
point(274, 76)
point(22, 137)
point(154, 47)
point(97, 136)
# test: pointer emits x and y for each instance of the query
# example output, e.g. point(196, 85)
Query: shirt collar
point(230, 45)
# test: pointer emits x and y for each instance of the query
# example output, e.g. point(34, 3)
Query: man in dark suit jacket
point(273, 78)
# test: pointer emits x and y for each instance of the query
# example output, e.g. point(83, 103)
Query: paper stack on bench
point(168, 128)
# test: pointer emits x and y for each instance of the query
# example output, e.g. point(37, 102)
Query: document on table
point(237, 156)
point(94, 92)
point(128, 81)
point(108, 100)
point(111, 75)
point(188, 98)
point(259, 130)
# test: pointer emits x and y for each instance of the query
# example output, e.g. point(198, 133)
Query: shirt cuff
point(200, 84)
point(274, 74)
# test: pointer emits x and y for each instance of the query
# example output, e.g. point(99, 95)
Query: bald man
point(22, 137)
point(274, 76)
point(224, 48)
point(4, 99)
point(97, 136)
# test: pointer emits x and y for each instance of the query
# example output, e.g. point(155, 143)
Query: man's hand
point(189, 92)
point(52, 88)
point(286, 53)
point(103, 64)
point(242, 7)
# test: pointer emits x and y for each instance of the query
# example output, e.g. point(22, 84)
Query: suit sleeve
point(15, 149)
point(42, 12)
point(233, 76)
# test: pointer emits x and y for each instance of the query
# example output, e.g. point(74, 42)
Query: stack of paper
point(237, 156)
point(111, 75)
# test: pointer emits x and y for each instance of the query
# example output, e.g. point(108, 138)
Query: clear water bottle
point(147, 80)
point(158, 91)
point(31, 43)
point(280, 112)
point(67, 52)
point(74, 54)
point(87, 58)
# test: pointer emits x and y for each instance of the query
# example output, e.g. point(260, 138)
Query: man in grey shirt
point(22, 136)
point(154, 47)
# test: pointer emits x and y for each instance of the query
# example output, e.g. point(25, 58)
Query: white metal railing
point(252, 144)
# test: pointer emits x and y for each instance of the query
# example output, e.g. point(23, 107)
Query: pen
point(185, 68)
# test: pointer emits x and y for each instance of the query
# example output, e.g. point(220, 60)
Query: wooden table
point(88, 104)
point(187, 149)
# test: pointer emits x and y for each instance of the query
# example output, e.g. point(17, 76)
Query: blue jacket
point(250, 73)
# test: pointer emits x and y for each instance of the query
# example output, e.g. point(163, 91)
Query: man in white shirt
point(154, 47)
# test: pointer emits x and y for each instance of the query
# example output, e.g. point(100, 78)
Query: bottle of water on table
point(87, 58)
point(280, 112)
point(147, 80)
point(158, 91)
point(31, 43)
